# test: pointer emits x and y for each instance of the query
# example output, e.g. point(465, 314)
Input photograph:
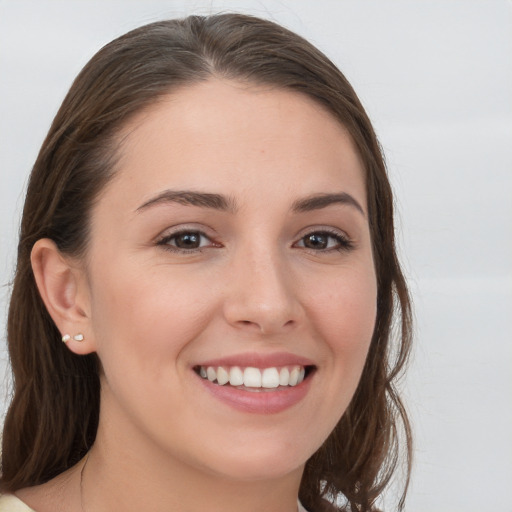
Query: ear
point(64, 290)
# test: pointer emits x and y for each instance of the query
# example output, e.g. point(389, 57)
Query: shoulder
point(9, 503)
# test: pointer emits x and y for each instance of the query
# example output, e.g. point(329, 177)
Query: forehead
point(225, 134)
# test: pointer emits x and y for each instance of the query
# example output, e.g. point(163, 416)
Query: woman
point(209, 230)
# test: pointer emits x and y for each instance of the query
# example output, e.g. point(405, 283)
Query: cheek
point(147, 318)
point(343, 313)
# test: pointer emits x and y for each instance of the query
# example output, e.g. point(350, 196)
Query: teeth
point(236, 376)
point(269, 378)
point(252, 378)
point(211, 373)
point(294, 376)
point(222, 376)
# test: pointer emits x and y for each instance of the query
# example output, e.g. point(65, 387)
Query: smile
point(254, 378)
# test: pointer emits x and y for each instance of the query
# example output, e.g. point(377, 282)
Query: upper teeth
point(254, 377)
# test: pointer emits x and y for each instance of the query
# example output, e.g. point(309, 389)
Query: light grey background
point(436, 78)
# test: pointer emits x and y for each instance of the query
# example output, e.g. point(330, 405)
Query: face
point(233, 243)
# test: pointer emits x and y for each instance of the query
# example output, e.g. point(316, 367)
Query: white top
point(9, 503)
point(300, 507)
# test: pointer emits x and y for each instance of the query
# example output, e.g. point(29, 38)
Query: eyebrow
point(224, 203)
point(189, 198)
point(319, 201)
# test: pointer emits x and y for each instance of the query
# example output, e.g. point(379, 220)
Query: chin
point(261, 470)
point(264, 461)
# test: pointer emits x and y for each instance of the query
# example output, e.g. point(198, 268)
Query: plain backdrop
point(436, 79)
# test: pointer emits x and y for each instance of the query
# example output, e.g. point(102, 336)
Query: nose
point(262, 295)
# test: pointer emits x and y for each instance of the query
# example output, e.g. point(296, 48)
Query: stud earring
point(76, 337)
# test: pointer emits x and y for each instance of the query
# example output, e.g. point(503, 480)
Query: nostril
point(248, 323)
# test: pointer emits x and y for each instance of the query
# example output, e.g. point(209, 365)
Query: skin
point(152, 312)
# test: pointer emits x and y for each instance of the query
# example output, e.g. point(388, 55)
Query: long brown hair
point(53, 416)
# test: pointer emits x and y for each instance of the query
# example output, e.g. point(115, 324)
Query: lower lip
point(259, 402)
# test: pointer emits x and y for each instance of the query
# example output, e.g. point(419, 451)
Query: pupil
point(188, 241)
point(316, 241)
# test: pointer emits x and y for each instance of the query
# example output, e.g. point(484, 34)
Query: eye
point(186, 241)
point(324, 241)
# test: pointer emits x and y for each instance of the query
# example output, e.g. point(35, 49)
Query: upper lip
point(258, 360)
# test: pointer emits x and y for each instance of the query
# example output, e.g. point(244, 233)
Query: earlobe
point(61, 286)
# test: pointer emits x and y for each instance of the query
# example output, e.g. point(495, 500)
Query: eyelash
point(342, 242)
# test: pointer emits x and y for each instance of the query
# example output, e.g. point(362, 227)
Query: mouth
point(250, 378)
